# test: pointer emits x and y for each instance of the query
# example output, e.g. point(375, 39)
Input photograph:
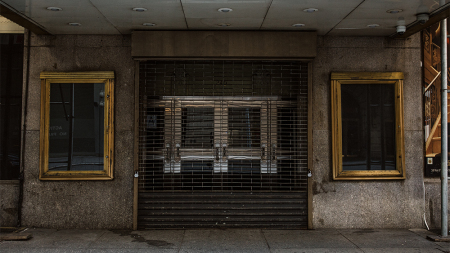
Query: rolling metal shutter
point(223, 144)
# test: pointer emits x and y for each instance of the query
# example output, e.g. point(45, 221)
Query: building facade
point(267, 93)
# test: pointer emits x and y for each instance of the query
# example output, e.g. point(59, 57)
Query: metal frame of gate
point(170, 196)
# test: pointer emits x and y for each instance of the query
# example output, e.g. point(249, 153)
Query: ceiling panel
point(284, 13)
point(89, 26)
point(362, 32)
point(82, 11)
point(235, 23)
point(241, 9)
point(165, 14)
point(375, 12)
point(79, 8)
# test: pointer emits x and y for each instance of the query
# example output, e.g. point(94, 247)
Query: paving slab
point(386, 238)
point(162, 238)
point(305, 239)
point(226, 250)
point(42, 250)
point(51, 238)
point(131, 251)
point(445, 246)
point(219, 240)
point(402, 250)
point(128, 239)
point(318, 250)
point(227, 240)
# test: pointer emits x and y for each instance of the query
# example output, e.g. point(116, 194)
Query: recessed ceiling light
point(394, 11)
point(225, 10)
point(139, 9)
point(310, 10)
point(224, 24)
point(298, 25)
point(74, 24)
point(373, 25)
point(149, 24)
point(54, 9)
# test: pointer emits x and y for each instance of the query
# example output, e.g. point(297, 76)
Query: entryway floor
point(227, 240)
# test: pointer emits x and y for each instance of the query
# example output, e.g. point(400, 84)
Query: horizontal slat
point(190, 225)
point(258, 207)
point(161, 214)
point(219, 196)
point(248, 219)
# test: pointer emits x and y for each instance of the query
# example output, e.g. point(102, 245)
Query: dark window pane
point(368, 126)
point(244, 127)
point(11, 72)
point(197, 127)
point(76, 132)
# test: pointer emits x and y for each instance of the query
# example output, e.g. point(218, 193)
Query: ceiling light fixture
point(373, 25)
point(310, 10)
point(224, 24)
point(74, 24)
point(394, 11)
point(139, 9)
point(298, 25)
point(225, 10)
point(54, 9)
point(149, 24)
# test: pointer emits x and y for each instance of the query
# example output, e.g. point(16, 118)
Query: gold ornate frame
point(47, 78)
point(362, 78)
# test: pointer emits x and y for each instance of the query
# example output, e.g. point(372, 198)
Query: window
point(77, 129)
point(11, 72)
point(367, 126)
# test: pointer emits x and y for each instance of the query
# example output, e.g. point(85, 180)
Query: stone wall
point(9, 198)
point(81, 204)
point(368, 204)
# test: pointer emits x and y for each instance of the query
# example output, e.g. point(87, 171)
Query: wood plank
point(224, 44)
point(428, 147)
point(438, 238)
point(16, 237)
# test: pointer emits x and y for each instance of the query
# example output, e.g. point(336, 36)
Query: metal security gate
point(223, 144)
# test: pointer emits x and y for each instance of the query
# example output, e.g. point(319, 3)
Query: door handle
point(217, 154)
point(168, 153)
point(177, 154)
point(274, 153)
point(224, 154)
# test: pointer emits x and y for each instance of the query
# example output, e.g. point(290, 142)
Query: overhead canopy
point(327, 17)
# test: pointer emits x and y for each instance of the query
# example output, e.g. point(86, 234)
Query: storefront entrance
point(223, 144)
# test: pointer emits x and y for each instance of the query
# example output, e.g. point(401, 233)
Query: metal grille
point(212, 128)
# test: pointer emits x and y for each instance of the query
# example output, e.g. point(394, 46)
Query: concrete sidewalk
point(228, 240)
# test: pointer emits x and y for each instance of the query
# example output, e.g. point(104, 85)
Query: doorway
point(223, 144)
